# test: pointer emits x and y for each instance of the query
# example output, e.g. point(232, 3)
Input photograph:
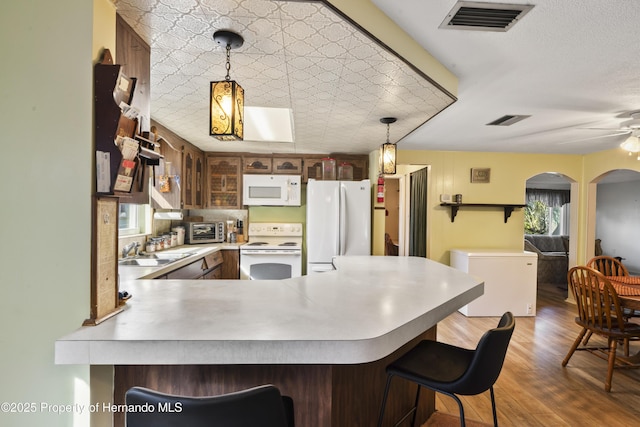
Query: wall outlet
point(529, 308)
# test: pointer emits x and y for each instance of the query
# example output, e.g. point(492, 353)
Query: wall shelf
point(508, 208)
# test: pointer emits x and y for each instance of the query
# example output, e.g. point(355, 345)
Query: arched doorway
point(548, 227)
point(617, 215)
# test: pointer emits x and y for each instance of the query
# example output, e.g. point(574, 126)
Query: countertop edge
point(75, 348)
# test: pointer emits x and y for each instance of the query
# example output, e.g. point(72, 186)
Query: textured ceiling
point(572, 65)
point(298, 55)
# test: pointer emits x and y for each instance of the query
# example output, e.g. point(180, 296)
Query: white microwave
point(271, 190)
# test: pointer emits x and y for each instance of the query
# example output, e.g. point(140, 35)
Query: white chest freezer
point(510, 282)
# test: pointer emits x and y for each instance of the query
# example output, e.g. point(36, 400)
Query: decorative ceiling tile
point(299, 55)
point(316, 38)
point(308, 11)
point(241, 8)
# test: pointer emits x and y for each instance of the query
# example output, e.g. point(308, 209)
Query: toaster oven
point(204, 232)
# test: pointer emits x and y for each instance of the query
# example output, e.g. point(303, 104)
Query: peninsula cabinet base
point(323, 395)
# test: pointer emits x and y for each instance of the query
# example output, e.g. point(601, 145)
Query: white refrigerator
point(338, 221)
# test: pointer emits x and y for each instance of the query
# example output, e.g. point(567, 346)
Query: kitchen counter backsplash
point(161, 226)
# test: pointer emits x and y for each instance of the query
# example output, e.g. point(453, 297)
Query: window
point(547, 212)
point(133, 219)
point(542, 219)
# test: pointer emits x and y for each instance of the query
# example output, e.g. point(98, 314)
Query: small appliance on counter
point(204, 232)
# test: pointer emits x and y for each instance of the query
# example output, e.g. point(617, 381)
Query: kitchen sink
point(153, 260)
point(145, 262)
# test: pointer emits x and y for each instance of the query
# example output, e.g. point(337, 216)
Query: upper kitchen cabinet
point(311, 167)
point(256, 164)
point(224, 182)
point(178, 183)
point(359, 163)
point(193, 172)
point(134, 55)
point(287, 165)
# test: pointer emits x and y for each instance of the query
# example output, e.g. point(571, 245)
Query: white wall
point(618, 221)
point(45, 185)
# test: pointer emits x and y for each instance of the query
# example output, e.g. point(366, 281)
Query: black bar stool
point(454, 370)
point(257, 406)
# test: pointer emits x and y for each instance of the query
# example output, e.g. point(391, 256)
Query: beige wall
point(478, 228)
point(45, 182)
point(485, 228)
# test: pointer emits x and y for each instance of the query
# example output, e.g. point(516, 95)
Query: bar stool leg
point(384, 401)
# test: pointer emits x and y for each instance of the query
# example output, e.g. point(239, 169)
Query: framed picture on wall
point(480, 175)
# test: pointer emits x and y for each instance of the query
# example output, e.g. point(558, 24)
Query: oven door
point(265, 264)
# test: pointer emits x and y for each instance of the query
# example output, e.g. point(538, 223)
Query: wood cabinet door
point(198, 190)
point(231, 264)
point(287, 165)
point(260, 164)
point(214, 274)
point(360, 165)
point(193, 169)
point(311, 168)
point(188, 168)
point(224, 182)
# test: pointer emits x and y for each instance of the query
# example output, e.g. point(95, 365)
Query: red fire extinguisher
point(380, 189)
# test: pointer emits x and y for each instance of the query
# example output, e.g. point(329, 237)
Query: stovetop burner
point(274, 237)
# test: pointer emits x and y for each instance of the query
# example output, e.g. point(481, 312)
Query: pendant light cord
point(228, 65)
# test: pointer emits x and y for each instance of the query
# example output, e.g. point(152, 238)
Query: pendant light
point(226, 108)
point(388, 151)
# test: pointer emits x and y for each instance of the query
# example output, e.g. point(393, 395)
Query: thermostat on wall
point(445, 198)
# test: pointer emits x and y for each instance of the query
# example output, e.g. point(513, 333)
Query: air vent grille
point(479, 16)
point(507, 120)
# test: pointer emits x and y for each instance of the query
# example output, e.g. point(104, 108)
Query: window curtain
point(418, 214)
point(551, 198)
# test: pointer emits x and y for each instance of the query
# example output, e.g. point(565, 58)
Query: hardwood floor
point(533, 388)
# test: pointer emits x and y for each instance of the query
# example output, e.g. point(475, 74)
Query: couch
point(553, 257)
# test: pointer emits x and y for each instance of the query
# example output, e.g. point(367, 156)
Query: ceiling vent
point(480, 16)
point(507, 120)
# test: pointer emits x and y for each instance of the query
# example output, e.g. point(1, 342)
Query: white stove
point(274, 251)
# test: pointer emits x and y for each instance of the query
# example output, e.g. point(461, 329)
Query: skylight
point(268, 124)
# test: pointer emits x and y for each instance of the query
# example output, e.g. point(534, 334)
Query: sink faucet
point(127, 248)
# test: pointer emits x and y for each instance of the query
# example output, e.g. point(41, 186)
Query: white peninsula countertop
point(361, 312)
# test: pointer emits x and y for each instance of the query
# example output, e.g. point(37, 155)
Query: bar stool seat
point(453, 370)
point(258, 406)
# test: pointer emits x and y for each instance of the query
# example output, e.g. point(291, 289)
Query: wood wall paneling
point(323, 395)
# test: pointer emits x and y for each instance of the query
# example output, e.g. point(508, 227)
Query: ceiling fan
point(627, 128)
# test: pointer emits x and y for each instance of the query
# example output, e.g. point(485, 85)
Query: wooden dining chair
point(608, 266)
point(600, 313)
